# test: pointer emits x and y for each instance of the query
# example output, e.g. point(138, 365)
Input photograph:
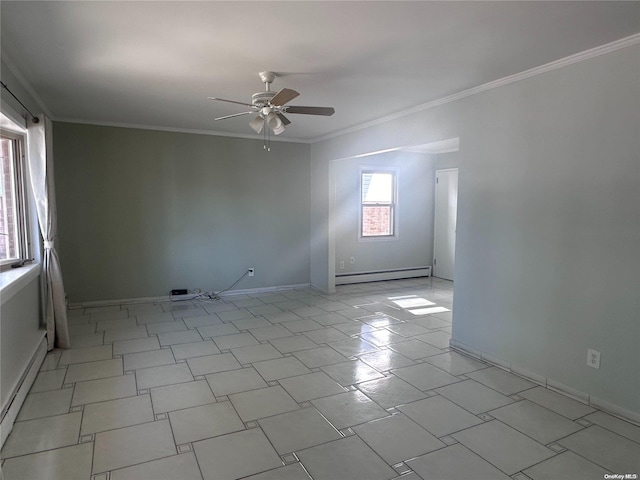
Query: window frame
point(21, 206)
point(393, 204)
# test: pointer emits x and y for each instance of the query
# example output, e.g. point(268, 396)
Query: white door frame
point(452, 210)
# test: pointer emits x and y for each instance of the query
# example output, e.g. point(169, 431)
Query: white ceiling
point(155, 63)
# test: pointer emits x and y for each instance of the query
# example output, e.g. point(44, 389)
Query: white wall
point(548, 219)
point(412, 245)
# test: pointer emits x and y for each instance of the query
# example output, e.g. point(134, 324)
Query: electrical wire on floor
point(211, 295)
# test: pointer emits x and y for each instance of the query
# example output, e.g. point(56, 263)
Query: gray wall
point(142, 212)
point(413, 244)
point(548, 219)
point(21, 334)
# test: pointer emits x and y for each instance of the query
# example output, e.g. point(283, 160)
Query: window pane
point(8, 217)
point(377, 187)
point(376, 221)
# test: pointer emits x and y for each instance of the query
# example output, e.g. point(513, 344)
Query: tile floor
point(293, 385)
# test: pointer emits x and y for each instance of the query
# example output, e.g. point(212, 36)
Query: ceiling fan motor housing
point(261, 99)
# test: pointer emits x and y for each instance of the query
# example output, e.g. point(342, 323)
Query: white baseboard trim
point(11, 410)
point(168, 298)
point(550, 383)
point(376, 276)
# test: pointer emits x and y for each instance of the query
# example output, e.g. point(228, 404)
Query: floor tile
point(345, 459)
point(99, 417)
point(132, 445)
point(396, 438)
point(431, 322)
point(89, 354)
point(166, 327)
point(41, 434)
point(615, 425)
point(152, 358)
point(390, 391)
point(280, 368)
point(237, 340)
point(558, 403)
point(255, 353)
point(566, 465)
point(250, 323)
point(183, 467)
point(104, 389)
point(94, 370)
point(262, 309)
point(437, 339)
point(330, 318)
point(455, 363)
point(183, 395)
point(535, 421)
point(230, 315)
point(439, 415)
point(382, 337)
point(614, 452)
point(45, 404)
point(236, 381)
point(424, 376)
point(306, 325)
point(502, 446)
point(353, 346)
point(289, 472)
point(175, 338)
point(84, 341)
point(319, 357)
point(292, 344)
point(326, 335)
point(217, 330)
point(354, 327)
point(415, 349)
point(455, 462)
point(213, 364)
point(135, 345)
point(205, 421)
point(68, 463)
point(474, 396)
point(310, 386)
point(298, 430)
point(262, 403)
point(125, 334)
point(501, 380)
point(154, 318)
point(269, 333)
point(349, 409)
point(201, 321)
point(351, 372)
point(281, 317)
point(408, 329)
point(50, 361)
point(385, 360)
point(189, 312)
point(121, 324)
point(236, 455)
point(195, 349)
point(165, 375)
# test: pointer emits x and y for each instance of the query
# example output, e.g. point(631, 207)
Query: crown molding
point(194, 131)
point(532, 72)
point(24, 83)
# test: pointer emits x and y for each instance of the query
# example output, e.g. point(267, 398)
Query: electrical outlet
point(341, 265)
point(252, 272)
point(593, 358)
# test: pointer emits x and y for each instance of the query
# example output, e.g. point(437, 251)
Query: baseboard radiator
point(10, 411)
point(379, 275)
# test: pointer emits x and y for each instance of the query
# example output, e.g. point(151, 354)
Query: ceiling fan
point(271, 107)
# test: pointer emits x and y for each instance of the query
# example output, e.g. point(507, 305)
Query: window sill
point(15, 279)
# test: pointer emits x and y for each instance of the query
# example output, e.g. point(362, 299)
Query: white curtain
point(40, 158)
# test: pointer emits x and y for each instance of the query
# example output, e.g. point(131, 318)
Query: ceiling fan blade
point(283, 96)
point(326, 111)
point(234, 115)
point(230, 101)
point(284, 119)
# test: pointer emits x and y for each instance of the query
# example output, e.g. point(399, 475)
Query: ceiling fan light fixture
point(257, 124)
point(278, 130)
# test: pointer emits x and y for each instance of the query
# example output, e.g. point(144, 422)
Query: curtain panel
point(40, 168)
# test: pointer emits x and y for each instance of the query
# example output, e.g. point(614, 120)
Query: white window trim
point(396, 208)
